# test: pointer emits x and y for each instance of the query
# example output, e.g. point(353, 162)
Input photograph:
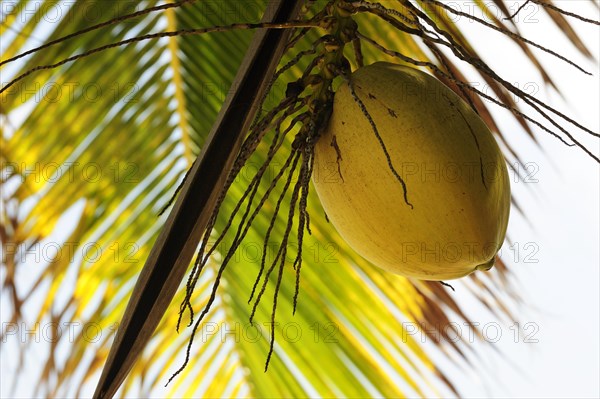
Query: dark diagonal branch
point(177, 242)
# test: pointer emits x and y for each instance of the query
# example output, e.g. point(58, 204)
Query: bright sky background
point(561, 291)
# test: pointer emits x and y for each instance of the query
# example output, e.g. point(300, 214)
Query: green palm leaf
point(93, 149)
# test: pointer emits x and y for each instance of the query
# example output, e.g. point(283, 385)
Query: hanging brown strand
point(283, 252)
point(296, 158)
point(206, 309)
point(358, 54)
point(462, 54)
point(244, 225)
point(304, 218)
point(564, 12)
point(254, 184)
point(476, 62)
point(508, 33)
point(435, 68)
point(177, 190)
point(302, 32)
point(246, 151)
point(294, 61)
point(113, 21)
point(513, 15)
point(482, 94)
point(150, 36)
point(383, 13)
point(203, 257)
point(293, 156)
point(382, 10)
point(388, 158)
point(441, 59)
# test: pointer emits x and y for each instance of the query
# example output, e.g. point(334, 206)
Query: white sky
point(561, 290)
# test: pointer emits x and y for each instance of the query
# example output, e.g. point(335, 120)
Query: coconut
point(410, 176)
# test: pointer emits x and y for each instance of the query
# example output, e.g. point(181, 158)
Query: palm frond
point(93, 149)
